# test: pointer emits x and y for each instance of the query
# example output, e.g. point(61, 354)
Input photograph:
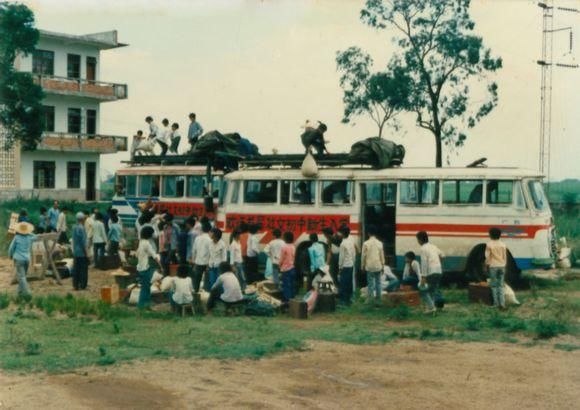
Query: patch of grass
point(32, 349)
point(566, 347)
point(4, 300)
point(399, 313)
point(549, 328)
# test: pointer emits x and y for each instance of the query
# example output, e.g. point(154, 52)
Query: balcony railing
point(81, 87)
point(61, 141)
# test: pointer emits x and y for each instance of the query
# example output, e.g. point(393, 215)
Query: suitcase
point(109, 262)
point(326, 303)
point(410, 298)
point(480, 293)
point(298, 309)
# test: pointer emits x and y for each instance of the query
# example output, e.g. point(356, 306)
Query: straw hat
point(24, 228)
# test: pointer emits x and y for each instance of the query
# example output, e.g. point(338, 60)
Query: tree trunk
point(438, 151)
point(381, 130)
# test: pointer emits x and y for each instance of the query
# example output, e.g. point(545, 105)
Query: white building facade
point(65, 164)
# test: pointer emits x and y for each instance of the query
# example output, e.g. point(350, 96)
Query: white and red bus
point(456, 206)
point(180, 189)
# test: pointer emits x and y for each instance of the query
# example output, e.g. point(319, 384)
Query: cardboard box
point(298, 309)
point(409, 298)
point(110, 294)
point(480, 293)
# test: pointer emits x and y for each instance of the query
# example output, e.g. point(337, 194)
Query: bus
point(455, 206)
point(180, 189)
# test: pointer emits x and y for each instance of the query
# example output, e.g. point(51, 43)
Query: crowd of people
point(207, 262)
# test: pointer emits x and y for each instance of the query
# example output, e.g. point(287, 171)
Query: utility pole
point(546, 64)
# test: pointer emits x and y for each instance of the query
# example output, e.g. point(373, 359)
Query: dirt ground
point(405, 375)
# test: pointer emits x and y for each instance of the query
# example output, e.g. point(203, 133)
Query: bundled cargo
point(378, 152)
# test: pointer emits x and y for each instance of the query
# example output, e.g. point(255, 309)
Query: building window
point(73, 66)
point(43, 174)
point(73, 175)
point(91, 68)
point(91, 122)
point(43, 62)
point(74, 120)
point(48, 113)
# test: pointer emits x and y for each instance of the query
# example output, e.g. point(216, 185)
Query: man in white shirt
point(253, 251)
point(346, 260)
point(61, 226)
point(162, 136)
point(218, 253)
point(175, 138)
point(274, 248)
point(227, 288)
point(99, 239)
point(431, 271)
point(372, 262)
point(200, 256)
point(412, 271)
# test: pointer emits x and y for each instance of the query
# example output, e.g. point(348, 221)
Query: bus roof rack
point(186, 159)
point(296, 160)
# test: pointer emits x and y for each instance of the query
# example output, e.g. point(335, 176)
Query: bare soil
point(404, 375)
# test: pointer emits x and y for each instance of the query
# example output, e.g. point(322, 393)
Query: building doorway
point(91, 69)
point(91, 180)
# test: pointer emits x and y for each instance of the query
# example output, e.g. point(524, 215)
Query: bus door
point(378, 209)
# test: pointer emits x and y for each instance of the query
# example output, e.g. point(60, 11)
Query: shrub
point(4, 300)
point(549, 328)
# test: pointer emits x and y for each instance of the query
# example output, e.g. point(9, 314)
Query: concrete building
point(65, 164)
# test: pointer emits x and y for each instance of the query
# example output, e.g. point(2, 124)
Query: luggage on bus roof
point(378, 152)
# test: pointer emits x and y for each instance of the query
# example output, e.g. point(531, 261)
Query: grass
point(57, 334)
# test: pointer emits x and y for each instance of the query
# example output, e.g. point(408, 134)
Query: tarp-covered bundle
point(378, 152)
point(213, 142)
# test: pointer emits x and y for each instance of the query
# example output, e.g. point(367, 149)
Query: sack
point(510, 295)
point(378, 152)
point(259, 308)
point(309, 167)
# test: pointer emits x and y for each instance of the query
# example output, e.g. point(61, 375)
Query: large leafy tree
point(20, 99)
point(381, 95)
point(445, 59)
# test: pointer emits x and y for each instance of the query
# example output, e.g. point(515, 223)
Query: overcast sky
point(263, 67)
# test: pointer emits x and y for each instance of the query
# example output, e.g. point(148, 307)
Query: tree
point(20, 99)
point(381, 95)
point(442, 56)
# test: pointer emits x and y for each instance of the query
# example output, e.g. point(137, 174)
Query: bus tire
point(475, 270)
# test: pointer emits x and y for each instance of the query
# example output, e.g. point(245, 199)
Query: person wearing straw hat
point(19, 252)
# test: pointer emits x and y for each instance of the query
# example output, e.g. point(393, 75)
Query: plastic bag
point(268, 272)
point(310, 299)
point(309, 167)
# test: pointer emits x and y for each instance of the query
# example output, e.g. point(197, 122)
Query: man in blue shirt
point(19, 252)
point(53, 214)
point(80, 254)
point(195, 130)
point(316, 253)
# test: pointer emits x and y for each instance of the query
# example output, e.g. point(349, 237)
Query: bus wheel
point(475, 269)
point(513, 274)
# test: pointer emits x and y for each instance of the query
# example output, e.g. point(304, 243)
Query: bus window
point(500, 192)
point(381, 193)
point(195, 185)
point(519, 196)
point(173, 186)
point(216, 185)
point(223, 191)
point(463, 192)
point(131, 185)
point(145, 183)
point(261, 192)
point(420, 192)
point(235, 192)
point(538, 197)
point(336, 192)
point(298, 192)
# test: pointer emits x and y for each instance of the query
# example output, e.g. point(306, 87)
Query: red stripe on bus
point(478, 230)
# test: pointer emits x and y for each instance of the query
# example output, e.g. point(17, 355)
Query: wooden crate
point(480, 293)
point(298, 309)
point(408, 298)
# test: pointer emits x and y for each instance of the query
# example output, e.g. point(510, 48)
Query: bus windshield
point(538, 196)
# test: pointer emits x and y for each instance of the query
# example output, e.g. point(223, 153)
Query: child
point(372, 262)
point(412, 271)
point(346, 259)
point(431, 272)
point(226, 288)
point(114, 235)
point(175, 138)
point(253, 252)
point(390, 282)
point(144, 268)
point(99, 238)
point(80, 247)
point(218, 253)
point(287, 256)
point(19, 252)
point(42, 226)
point(274, 248)
point(236, 259)
point(182, 288)
point(495, 261)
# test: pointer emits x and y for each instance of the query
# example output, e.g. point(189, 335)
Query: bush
point(549, 328)
point(4, 300)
